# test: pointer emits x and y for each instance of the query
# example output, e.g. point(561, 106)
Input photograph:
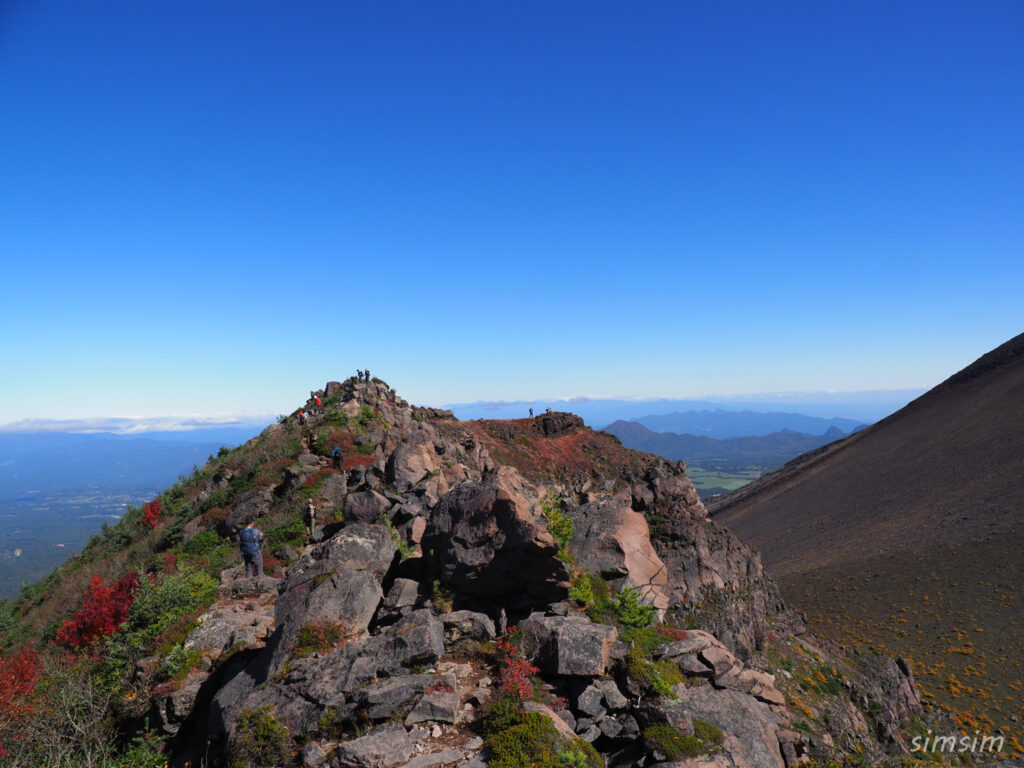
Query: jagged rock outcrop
point(490, 542)
point(444, 546)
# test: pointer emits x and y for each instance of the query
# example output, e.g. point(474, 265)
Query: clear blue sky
point(213, 207)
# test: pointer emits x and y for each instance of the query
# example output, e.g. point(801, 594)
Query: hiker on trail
point(367, 374)
point(360, 374)
point(309, 517)
point(250, 542)
point(302, 417)
point(531, 413)
point(316, 399)
point(338, 457)
point(312, 441)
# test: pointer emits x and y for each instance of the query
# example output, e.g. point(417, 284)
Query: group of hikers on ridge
point(250, 539)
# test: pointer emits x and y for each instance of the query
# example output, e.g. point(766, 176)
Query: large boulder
point(568, 645)
point(251, 506)
point(491, 542)
point(382, 747)
point(614, 540)
point(749, 725)
point(337, 581)
point(412, 462)
point(364, 507)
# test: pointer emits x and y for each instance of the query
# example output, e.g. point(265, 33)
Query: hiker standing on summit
point(250, 542)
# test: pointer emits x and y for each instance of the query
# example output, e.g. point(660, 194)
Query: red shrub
point(19, 672)
point(516, 673)
point(152, 511)
point(670, 633)
point(103, 611)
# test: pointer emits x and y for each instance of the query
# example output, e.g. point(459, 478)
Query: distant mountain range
point(720, 423)
point(841, 407)
point(766, 451)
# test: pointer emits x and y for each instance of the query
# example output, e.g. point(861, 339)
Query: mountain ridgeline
point(484, 593)
point(908, 536)
point(742, 458)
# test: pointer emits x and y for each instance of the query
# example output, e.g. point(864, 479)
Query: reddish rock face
point(613, 540)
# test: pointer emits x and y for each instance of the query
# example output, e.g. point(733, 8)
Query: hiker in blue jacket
point(250, 542)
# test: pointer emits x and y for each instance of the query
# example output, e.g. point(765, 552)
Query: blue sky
point(214, 207)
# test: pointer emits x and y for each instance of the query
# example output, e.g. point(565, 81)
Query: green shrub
point(534, 741)
point(260, 740)
point(501, 713)
point(405, 549)
point(602, 609)
point(366, 420)
point(674, 744)
point(292, 533)
point(559, 525)
point(581, 590)
point(657, 676)
point(630, 612)
point(203, 543)
point(709, 734)
point(159, 602)
point(179, 663)
point(143, 752)
point(335, 419)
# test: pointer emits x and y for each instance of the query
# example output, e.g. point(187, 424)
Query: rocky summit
point(504, 593)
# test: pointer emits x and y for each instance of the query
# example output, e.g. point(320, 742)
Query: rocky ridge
point(437, 538)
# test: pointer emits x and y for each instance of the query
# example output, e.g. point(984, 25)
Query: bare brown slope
point(909, 534)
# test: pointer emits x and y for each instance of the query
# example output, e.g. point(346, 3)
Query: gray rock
point(431, 759)
point(392, 696)
point(630, 727)
point(610, 727)
point(401, 600)
point(286, 553)
point(749, 725)
point(490, 544)
point(568, 645)
point(462, 627)
point(690, 664)
point(364, 507)
point(589, 702)
point(613, 697)
point(383, 747)
point(719, 659)
point(313, 755)
point(437, 706)
point(333, 490)
point(251, 506)
point(590, 734)
point(568, 717)
point(414, 460)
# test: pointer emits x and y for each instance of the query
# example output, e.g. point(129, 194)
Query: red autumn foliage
point(670, 633)
point(104, 609)
point(516, 673)
point(19, 672)
point(152, 511)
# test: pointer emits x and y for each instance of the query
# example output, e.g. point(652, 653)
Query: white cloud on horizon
point(127, 425)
